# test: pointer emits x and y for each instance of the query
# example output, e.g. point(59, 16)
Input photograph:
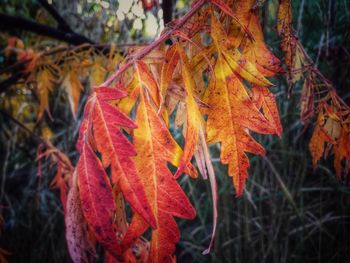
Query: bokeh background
point(288, 212)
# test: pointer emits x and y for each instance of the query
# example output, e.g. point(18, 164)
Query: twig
point(179, 23)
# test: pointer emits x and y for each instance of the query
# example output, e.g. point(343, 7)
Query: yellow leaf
point(98, 71)
point(45, 83)
point(237, 62)
point(231, 111)
point(73, 87)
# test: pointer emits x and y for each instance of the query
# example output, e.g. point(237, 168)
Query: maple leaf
point(98, 72)
point(116, 150)
point(255, 51)
point(155, 147)
point(228, 102)
point(330, 122)
point(318, 140)
point(307, 100)
point(341, 152)
point(285, 18)
point(73, 88)
point(79, 246)
point(194, 123)
point(60, 182)
point(227, 10)
point(237, 62)
point(137, 252)
point(265, 99)
point(97, 200)
point(85, 125)
point(171, 60)
point(145, 78)
point(295, 57)
point(45, 81)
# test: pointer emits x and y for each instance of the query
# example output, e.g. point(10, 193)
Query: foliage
point(213, 82)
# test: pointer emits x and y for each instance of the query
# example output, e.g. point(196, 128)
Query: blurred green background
point(288, 212)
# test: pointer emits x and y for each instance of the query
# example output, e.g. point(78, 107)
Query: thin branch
point(8, 22)
point(177, 25)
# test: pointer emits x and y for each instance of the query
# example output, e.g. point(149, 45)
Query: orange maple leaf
point(156, 147)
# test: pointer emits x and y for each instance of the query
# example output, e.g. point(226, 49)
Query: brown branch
point(8, 22)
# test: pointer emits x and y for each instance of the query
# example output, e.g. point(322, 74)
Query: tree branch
point(62, 24)
point(8, 22)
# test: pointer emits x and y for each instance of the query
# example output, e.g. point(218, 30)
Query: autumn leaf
point(227, 10)
point(171, 60)
point(116, 150)
point(156, 147)
point(237, 62)
point(79, 246)
point(295, 57)
point(73, 88)
point(210, 79)
point(145, 77)
point(307, 100)
point(341, 152)
point(267, 101)
point(228, 102)
point(194, 122)
point(97, 200)
point(285, 18)
point(255, 51)
point(98, 71)
point(137, 253)
point(318, 140)
point(60, 182)
point(45, 80)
